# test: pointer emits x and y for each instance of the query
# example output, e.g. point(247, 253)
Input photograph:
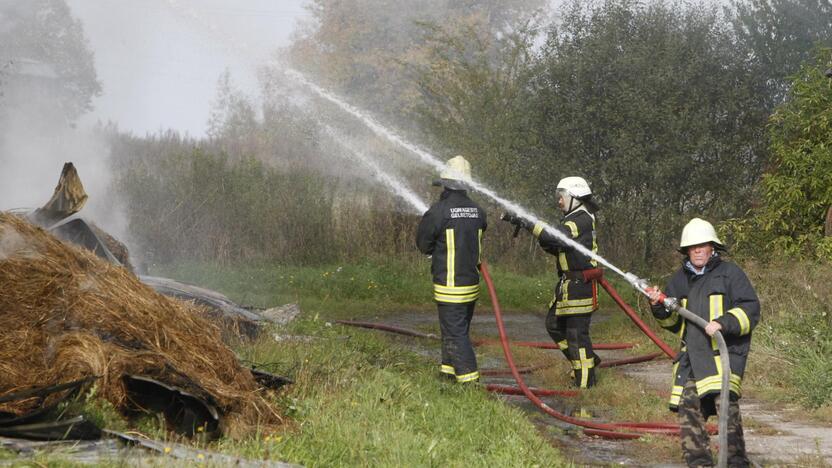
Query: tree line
point(670, 109)
point(664, 106)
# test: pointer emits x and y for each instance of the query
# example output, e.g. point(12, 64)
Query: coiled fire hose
point(611, 430)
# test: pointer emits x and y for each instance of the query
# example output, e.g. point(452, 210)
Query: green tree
point(474, 96)
point(797, 189)
point(366, 48)
point(40, 40)
point(653, 103)
point(233, 119)
point(781, 35)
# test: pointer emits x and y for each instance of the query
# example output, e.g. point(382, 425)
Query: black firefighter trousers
point(458, 358)
point(571, 333)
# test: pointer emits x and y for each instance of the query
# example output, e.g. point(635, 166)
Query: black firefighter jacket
point(451, 231)
point(573, 294)
point(723, 293)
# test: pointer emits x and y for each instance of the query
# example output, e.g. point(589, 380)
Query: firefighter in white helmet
point(718, 291)
point(451, 232)
point(576, 291)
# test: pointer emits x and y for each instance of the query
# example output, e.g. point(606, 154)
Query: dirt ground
point(774, 436)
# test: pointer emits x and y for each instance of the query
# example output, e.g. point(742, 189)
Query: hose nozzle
point(641, 284)
point(512, 218)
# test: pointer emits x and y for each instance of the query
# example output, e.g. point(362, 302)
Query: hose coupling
point(636, 282)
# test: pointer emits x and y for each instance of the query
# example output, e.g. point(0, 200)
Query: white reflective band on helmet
point(575, 186)
point(698, 231)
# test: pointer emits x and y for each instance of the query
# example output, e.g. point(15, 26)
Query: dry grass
point(66, 314)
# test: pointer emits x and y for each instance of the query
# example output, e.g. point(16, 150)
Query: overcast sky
point(158, 60)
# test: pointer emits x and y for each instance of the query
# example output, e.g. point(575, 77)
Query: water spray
point(437, 164)
point(639, 284)
point(391, 182)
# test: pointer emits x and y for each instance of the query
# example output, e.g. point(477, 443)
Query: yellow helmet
point(456, 174)
point(698, 231)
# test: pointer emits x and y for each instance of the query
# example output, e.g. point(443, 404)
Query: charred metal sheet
point(202, 296)
point(76, 428)
point(32, 426)
point(76, 230)
point(185, 413)
point(43, 391)
point(184, 452)
point(269, 380)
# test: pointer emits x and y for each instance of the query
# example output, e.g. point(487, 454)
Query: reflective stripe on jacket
point(573, 295)
point(451, 231)
point(724, 294)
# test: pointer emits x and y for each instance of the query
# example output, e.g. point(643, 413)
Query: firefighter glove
point(518, 221)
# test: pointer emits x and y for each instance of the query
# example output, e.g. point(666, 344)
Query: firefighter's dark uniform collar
point(449, 191)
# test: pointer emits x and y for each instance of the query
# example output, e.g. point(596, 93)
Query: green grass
point(349, 291)
point(359, 399)
point(362, 398)
point(342, 290)
point(791, 353)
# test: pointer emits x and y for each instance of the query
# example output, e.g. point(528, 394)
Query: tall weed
point(791, 354)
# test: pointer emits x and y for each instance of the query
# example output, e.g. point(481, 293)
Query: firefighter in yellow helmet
point(576, 291)
point(451, 233)
point(718, 291)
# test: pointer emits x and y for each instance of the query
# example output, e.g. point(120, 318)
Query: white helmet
point(575, 186)
point(456, 174)
point(698, 231)
point(576, 193)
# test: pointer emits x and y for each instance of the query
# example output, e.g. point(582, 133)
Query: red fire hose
point(512, 390)
point(530, 369)
point(635, 318)
point(549, 345)
point(387, 328)
point(609, 430)
point(417, 334)
point(521, 370)
point(632, 360)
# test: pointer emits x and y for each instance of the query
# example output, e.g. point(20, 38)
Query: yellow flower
point(201, 456)
point(167, 449)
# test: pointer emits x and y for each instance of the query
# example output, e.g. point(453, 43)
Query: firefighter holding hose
point(576, 292)
point(718, 291)
point(451, 232)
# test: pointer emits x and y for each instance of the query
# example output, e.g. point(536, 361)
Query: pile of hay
point(65, 314)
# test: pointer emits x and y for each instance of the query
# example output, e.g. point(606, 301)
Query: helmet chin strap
point(571, 203)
